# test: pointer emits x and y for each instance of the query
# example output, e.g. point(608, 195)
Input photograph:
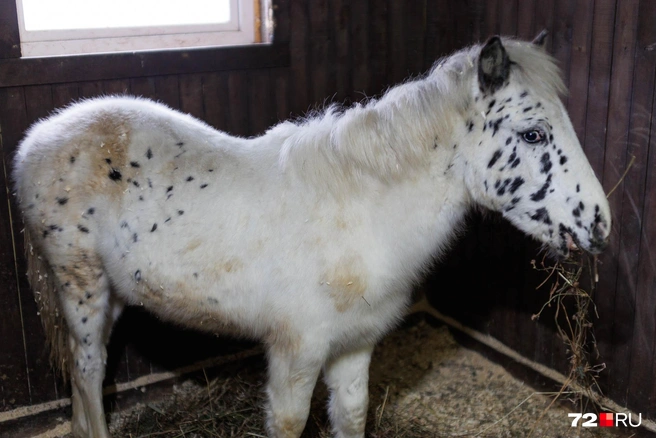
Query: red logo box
point(606, 419)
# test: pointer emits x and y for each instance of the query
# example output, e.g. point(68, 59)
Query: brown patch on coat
point(341, 223)
point(347, 282)
point(81, 274)
point(283, 339)
point(290, 427)
point(100, 149)
point(230, 265)
point(180, 305)
point(195, 243)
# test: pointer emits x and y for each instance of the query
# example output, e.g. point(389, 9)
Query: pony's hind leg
point(90, 311)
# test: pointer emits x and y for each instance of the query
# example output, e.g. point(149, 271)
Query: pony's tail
point(42, 280)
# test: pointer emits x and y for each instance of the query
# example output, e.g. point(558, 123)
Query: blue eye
point(533, 136)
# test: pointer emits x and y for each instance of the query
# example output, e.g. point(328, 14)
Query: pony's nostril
point(600, 237)
point(600, 231)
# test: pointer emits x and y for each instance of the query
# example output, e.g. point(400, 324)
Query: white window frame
point(239, 30)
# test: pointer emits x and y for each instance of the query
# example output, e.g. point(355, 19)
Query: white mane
point(388, 138)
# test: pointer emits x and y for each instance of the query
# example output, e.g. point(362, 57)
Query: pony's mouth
point(567, 243)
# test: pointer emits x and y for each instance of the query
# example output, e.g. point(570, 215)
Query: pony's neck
point(393, 137)
point(417, 219)
point(385, 140)
point(419, 215)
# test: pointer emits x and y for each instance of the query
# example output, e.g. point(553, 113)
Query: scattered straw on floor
point(423, 384)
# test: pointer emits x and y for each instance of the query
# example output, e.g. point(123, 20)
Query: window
point(63, 27)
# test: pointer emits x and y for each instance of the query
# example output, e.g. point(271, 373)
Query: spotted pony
point(309, 237)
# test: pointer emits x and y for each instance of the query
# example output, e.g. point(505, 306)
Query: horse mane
point(388, 138)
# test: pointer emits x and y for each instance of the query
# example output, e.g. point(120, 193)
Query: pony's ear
point(541, 39)
point(493, 66)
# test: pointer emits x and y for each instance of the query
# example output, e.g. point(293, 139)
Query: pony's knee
point(285, 426)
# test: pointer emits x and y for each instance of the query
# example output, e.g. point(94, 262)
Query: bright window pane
point(98, 14)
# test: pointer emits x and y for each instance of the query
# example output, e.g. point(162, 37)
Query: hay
point(422, 384)
point(574, 305)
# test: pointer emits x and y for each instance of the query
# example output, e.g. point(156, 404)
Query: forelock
point(535, 68)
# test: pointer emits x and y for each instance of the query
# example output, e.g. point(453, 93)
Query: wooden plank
point(414, 23)
point(562, 36)
point(434, 44)
point(508, 17)
point(360, 82)
point(526, 19)
point(215, 99)
point(77, 68)
point(544, 20)
point(378, 44)
point(299, 47)
point(191, 95)
point(319, 53)
point(397, 69)
point(616, 310)
point(14, 377)
point(463, 19)
point(117, 87)
point(238, 118)
point(341, 24)
point(281, 86)
point(260, 100)
point(643, 361)
point(167, 90)
point(38, 102)
point(580, 66)
point(599, 83)
point(639, 196)
point(477, 21)
point(9, 37)
point(492, 23)
point(64, 94)
point(90, 89)
point(143, 87)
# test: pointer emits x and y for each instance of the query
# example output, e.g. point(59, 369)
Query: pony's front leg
point(347, 376)
point(293, 373)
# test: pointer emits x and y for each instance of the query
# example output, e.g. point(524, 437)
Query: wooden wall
point(340, 50)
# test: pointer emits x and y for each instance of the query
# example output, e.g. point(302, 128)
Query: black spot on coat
point(545, 163)
point(542, 215)
point(115, 175)
point(540, 194)
point(495, 157)
point(516, 184)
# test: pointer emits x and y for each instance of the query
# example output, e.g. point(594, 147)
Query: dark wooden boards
point(59, 69)
point(341, 51)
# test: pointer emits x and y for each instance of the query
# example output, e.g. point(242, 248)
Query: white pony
point(309, 237)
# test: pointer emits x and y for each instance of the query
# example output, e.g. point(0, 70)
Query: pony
point(308, 238)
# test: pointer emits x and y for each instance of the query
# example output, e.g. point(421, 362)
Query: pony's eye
point(533, 136)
